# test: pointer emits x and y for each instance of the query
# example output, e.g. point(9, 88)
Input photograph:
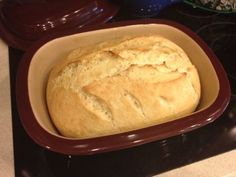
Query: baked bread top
point(121, 85)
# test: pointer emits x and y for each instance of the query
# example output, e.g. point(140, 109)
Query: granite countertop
point(6, 141)
point(223, 165)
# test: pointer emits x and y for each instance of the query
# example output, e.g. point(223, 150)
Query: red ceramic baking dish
point(39, 59)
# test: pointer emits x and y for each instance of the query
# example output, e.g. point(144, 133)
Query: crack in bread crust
point(135, 102)
point(122, 83)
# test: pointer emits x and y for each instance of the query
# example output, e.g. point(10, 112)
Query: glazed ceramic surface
point(37, 62)
point(23, 22)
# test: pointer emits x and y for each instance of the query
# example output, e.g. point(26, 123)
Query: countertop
point(6, 141)
point(223, 165)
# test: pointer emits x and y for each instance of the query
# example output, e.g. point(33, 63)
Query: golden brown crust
point(121, 85)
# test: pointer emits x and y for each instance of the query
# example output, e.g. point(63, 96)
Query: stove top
point(219, 32)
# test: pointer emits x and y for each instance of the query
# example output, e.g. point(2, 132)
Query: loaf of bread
point(121, 85)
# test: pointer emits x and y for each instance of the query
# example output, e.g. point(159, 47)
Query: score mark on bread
point(121, 85)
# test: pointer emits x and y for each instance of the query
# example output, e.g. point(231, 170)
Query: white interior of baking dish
point(53, 51)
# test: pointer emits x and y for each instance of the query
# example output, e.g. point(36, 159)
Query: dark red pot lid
point(22, 22)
